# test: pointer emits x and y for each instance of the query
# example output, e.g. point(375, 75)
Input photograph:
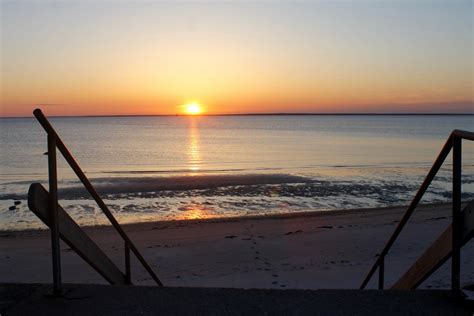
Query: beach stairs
point(438, 253)
point(100, 300)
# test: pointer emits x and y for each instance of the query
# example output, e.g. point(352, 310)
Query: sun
point(193, 108)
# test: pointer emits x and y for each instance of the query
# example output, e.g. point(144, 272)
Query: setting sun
point(193, 108)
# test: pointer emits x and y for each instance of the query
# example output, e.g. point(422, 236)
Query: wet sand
point(302, 251)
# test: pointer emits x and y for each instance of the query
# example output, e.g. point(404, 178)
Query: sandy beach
point(319, 250)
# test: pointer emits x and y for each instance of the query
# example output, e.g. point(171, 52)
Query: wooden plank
point(468, 222)
point(437, 253)
point(431, 259)
point(74, 236)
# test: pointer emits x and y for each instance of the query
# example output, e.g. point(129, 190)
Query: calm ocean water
point(161, 168)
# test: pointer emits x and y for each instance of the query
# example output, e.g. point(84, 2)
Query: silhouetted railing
point(453, 142)
point(54, 141)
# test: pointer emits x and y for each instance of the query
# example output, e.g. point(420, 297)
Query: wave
point(121, 185)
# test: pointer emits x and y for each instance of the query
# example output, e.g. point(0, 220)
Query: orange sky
point(105, 58)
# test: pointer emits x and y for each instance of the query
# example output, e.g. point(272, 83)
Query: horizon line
point(260, 114)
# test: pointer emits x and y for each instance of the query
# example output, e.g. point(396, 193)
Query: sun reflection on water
point(193, 147)
point(196, 211)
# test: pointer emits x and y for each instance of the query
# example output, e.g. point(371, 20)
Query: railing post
point(381, 272)
point(457, 225)
point(128, 273)
point(53, 213)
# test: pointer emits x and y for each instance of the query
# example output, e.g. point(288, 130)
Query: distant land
point(256, 114)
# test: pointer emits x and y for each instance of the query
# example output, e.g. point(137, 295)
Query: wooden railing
point(55, 142)
point(454, 143)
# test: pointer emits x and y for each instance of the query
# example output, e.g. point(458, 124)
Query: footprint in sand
point(299, 231)
point(325, 226)
point(276, 282)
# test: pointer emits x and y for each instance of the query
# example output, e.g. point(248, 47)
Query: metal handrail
point(453, 142)
point(54, 141)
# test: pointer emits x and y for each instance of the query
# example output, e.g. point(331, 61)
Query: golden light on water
point(196, 211)
point(193, 147)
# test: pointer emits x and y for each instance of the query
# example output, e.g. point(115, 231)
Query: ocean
point(181, 167)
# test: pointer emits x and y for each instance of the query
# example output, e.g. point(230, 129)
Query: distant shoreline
point(250, 114)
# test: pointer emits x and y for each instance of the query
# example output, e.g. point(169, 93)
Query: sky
point(151, 57)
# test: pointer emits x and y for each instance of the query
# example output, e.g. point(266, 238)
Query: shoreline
point(290, 215)
point(314, 250)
